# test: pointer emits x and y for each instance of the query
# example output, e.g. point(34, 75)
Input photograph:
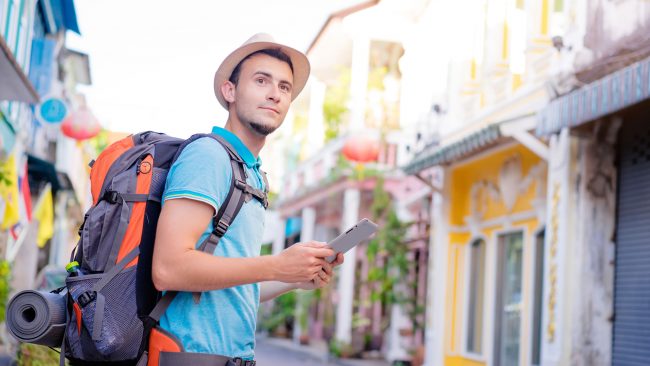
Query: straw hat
point(256, 43)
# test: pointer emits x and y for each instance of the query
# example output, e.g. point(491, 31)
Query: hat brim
point(299, 61)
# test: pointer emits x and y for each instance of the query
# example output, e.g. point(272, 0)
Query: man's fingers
point(321, 252)
point(314, 244)
point(323, 275)
point(339, 260)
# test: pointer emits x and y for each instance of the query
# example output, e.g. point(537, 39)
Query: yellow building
point(495, 239)
point(488, 247)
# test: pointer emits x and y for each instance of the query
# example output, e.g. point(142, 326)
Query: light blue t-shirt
point(224, 321)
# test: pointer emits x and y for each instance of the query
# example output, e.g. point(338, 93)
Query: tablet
point(362, 231)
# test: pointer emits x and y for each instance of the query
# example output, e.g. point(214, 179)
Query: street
point(276, 351)
point(270, 354)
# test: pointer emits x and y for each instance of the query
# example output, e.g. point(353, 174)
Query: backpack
point(113, 306)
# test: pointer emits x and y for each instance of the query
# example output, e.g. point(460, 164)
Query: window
point(518, 42)
point(10, 25)
point(559, 19)
point(508, 299)
point(537, 300)
point(4, 18)
point(476, 297)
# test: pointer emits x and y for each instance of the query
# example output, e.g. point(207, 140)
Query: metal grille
point(632, 282)
point(640, 147)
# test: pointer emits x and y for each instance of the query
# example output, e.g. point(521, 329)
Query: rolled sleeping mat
point(37, 317)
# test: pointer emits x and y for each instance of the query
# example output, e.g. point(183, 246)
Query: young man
point(256, 84)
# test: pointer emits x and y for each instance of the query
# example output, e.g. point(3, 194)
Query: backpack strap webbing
point(226, 215)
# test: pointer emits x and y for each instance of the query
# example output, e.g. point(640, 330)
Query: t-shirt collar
point(239, 147)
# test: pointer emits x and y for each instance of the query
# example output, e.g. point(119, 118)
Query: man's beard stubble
point(256, 127)
point(259, 128)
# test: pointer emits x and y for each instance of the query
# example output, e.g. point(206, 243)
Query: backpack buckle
point(82, 224)
point(221, 228)
point(238, 361)
point(86, 298)
point(241, 185)
point(112, 197)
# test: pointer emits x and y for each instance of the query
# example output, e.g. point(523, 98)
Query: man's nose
point(274, 94)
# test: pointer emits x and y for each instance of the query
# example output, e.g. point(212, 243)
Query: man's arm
point(269, 290)
point(272, 289)
point(177, 265)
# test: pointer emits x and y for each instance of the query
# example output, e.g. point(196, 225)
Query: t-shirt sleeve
point(202, 172)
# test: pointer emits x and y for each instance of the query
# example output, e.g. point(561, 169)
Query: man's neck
point(253, 141)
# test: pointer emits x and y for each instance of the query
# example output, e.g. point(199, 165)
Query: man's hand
point(324, 276)
point(302, 262)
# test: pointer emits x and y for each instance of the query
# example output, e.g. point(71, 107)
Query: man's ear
point(228, 91)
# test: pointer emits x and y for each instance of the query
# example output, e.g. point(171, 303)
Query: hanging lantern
point(81, 124)
point(361, 149)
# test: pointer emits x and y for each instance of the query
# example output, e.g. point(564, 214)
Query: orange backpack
point(113, 306)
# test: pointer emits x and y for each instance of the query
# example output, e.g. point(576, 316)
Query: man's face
point(263, 93)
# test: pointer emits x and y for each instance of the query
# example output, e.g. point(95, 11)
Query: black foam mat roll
point(37, 317)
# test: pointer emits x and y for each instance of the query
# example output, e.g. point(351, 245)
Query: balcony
point(329, 165)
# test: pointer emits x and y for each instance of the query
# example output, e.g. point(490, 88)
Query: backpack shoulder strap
point(224, 217)
point(231, 206)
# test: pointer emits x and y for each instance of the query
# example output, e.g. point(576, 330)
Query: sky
point(153, 62)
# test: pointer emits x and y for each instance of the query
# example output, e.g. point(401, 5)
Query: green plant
point(359, 321)
point(35, 355)
point(340, 349)
point(305, 300)
point(335, 104)
point(387, 254)
point(99, 142)
point(376, 78)
point(4, 179)
point(281, 313)
point(5, 277)
point(266, 249)
point(272, 196)
point(354, 170)
point(4, 174)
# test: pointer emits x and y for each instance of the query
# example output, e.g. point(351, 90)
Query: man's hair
point(273, 52)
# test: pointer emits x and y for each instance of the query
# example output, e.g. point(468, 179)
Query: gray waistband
point(199, 359)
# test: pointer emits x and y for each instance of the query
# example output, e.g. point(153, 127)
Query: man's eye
point(285, 88)
point(260, 80)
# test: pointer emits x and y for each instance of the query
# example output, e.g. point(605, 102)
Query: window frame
point(466, 352)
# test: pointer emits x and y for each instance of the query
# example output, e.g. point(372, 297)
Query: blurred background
point(503, 146)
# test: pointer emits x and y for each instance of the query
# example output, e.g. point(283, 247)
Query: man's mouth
point(271, 109)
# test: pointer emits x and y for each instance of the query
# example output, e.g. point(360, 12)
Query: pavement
point(271, 351)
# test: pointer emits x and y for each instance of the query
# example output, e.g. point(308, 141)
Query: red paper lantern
point(81, 124)
point(362, 149)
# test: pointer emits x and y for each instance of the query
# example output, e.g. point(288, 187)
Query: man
point(256, 84)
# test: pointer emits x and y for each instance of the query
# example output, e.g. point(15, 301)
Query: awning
point(471, 144)
point(44, 171)
point(612, 93)
point(15, 85)
point(60, 14)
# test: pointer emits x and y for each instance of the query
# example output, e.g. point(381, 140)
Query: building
point(596, 310)
point(489, 204)
point(349, 137)
point(43, 198)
